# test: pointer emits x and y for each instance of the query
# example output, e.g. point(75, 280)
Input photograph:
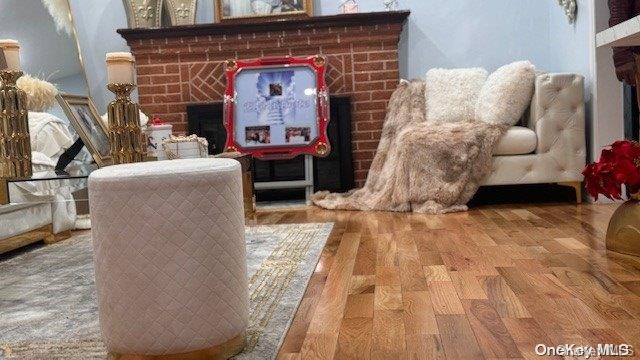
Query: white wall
point(453, 33)
point(569, 44)
point(460, 33)
point(457, 33)
point(73, 84)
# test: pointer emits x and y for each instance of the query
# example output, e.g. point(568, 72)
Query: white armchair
point(551, 148)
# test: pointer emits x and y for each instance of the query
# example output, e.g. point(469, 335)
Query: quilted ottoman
point(170, 258)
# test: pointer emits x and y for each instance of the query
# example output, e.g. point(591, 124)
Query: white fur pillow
point(506, 94)
point(451, 95)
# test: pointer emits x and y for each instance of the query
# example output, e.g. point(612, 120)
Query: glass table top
point(75, 172)
point(47, 186)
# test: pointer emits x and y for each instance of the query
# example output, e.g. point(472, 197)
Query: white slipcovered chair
point(551, 147)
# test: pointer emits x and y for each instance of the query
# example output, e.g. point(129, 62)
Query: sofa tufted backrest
point(557, 115)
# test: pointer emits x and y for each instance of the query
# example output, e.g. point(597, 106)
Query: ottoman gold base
point(223, 351)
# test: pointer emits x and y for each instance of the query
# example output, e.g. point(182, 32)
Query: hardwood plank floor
point(489, 283)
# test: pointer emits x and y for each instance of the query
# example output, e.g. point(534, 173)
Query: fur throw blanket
point(420, 166)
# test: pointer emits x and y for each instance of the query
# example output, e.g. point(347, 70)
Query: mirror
point(48, 48)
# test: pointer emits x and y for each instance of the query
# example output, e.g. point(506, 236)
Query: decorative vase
point(349, 7)
point(570, 7)
point(390, 5)
point(15, 143)
point(623, 233)
point(125, 135)
point(143, 13)
point(181, 12)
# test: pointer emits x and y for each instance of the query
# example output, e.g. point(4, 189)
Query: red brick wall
point(362, 63)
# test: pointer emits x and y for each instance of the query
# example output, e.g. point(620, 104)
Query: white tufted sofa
point(551, 148)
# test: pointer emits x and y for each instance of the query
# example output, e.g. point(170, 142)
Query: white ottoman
point(170, 261)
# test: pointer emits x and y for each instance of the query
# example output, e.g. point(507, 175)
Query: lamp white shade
point(10, 51)
point(121, 68)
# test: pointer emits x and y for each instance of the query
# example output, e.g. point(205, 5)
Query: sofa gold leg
point(577, 186)
point(29, 237)
point(54, 238)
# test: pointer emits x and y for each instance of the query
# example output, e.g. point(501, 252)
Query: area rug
point(48, 303)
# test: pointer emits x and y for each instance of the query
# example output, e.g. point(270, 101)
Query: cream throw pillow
point(452, 94)
point(506, 94)
point(41, 95)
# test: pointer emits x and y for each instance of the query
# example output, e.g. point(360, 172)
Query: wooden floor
point(489, 283)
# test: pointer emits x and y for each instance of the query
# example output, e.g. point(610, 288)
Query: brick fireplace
point(183, 65)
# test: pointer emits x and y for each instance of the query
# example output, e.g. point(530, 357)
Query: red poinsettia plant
point(619, 165)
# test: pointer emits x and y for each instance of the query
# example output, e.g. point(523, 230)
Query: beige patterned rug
point(48, 306)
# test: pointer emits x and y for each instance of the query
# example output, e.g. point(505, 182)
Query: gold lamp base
point(15, 144)
point(623, 233)
point(125, 135)
point(219, 352)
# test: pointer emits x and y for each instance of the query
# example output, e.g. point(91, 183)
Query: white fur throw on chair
point(451, 94)
point(434, 154)
point(506, 94)
point(421, 166)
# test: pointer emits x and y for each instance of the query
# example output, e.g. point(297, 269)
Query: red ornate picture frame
point(277, 108)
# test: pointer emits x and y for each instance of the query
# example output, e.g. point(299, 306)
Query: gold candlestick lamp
point(15, 144)
point(125, 135)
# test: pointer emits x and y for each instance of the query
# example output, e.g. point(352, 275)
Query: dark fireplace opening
point(333, 173)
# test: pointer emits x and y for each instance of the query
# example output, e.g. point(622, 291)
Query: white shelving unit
point(623, 34)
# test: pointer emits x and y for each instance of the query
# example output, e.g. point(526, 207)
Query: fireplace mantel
point(253, 26)
point(184, 65)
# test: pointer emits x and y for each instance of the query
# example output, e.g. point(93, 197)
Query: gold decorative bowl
point(623, 233)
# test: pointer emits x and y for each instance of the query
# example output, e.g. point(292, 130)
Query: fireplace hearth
point(333, 173)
